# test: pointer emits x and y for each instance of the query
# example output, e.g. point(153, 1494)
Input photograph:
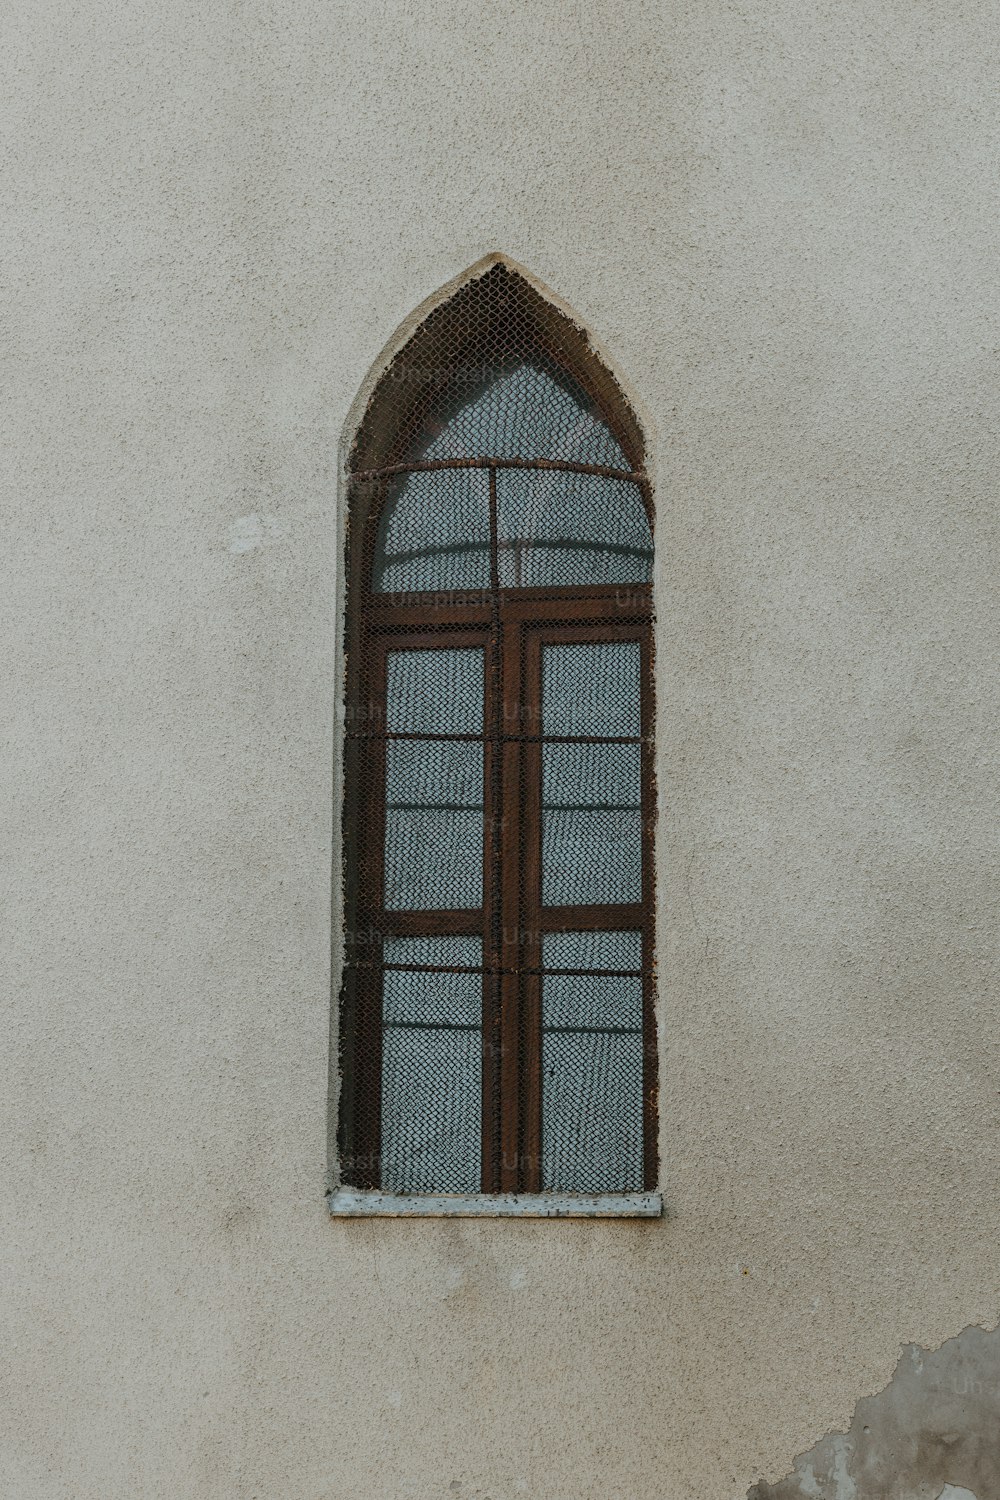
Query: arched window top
point(503, 454)
point(509, 376)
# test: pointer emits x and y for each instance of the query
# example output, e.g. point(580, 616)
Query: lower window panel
point(431, 1066)
point(591, 1112)
point(592, 1063)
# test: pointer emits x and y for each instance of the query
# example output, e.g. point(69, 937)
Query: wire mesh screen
point(496, 1022)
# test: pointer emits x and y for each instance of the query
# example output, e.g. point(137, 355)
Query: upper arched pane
point(521, 410)
point(498, 377)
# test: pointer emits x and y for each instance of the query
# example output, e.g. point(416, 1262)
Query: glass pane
point(434, 533)
point(520, 410)
point(433, 824)
point(592, 689)
point(431, 1068)
point(435, 692)
point(591, 824)
point(592, 950)
point(591, 1112)
point(555, 528)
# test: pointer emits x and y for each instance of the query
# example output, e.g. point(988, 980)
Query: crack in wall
point(932, 1434)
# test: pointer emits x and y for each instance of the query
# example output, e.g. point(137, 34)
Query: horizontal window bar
point(434, 806)
point(553, 465)
point(546, 806)
point(372, 924)
point(572, 543)
point(430, 968)
point(435, 921)
point(600, 916)
point(591, 806)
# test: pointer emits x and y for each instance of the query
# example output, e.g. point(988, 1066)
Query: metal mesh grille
point(496, 1024)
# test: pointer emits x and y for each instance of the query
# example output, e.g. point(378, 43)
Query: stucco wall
point(779, 220)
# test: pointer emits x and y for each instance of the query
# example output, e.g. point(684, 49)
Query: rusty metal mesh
point(496, 1027)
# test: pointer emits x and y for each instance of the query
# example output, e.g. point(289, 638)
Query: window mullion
point(509, 921)
point(530, 959)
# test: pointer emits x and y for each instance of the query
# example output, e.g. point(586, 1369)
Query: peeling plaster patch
point(518, 1278)
point(250, 532)
point(807, 1481)
point(846, 1488)
point(930, 1435)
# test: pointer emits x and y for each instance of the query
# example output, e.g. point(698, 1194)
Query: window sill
point(355, 1203)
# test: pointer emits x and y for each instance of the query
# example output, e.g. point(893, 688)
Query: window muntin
point(500, 797)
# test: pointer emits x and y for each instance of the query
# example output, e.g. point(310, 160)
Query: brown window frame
point(510, 624)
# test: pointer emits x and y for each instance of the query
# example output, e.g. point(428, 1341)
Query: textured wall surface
point(780, 221)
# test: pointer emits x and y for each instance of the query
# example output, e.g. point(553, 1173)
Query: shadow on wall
point(932, 1434)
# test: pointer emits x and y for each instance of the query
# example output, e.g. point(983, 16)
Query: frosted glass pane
point(556, 528)
point(441, 949)
point(591, 1112)
point(431, 1110)
point(591, 824)
point(592, 950)
point(591, 689)
point(434, 824)
point(435, 692)
point(434, 533)
point(525, 411)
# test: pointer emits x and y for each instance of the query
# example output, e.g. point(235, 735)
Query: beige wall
point(779, 219)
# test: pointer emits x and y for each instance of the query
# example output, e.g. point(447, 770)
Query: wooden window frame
point(510, 625)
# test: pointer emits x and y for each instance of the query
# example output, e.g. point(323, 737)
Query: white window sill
point(355, 1203)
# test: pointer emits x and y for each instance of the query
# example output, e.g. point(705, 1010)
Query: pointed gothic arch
point(497, 1027)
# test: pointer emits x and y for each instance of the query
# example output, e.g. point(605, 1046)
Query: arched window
point(497, 1028)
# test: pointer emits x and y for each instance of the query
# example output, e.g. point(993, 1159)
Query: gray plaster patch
point(247, 533)
point(932, 1434)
